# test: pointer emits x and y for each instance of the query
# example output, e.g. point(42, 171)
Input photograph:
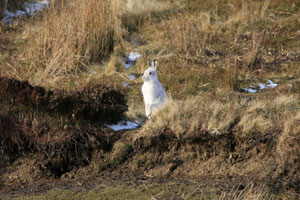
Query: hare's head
point(150, 73)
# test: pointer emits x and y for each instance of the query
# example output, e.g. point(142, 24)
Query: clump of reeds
point(68, 37)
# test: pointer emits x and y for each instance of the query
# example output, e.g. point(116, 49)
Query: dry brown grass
point(114, 65)
point(186, 118)
point(197, 35)
point(223, 44)
point(288, 151)
point(267, 116)
point(221, 113)
point(250, 192)
point(224, 135)
point(66, 40)
point(140, 7)
point(288, 144)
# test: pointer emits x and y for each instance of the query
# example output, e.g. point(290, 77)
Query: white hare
point(153, 91)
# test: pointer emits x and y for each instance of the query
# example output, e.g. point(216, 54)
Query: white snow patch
point(261, 87)
point(271, 84)
point(125, 85)
point(7, 20)
point(20, 13)
point(8, 14)
point(132, 77)
point(123, 125)
point(215, 132)
point(128, 65)
point(7, 17)
point(130, 61)
point(133, 56)
point(30, 9)
point(250, 90)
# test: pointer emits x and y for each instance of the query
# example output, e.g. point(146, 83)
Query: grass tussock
point(220, 113)
point(193, 116)
point(288, 150)
point(263, 117)
point(114, 65)
point(249, 192)
point(288, 144)
point(67, 39)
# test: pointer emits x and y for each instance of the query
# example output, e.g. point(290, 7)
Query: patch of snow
point(8, 14)
point(130, 61)
point(271, 84)
point(261, 87)
point(215, 132)
point(20, 13)
point(7, 17)
point(250, 90)
point(128, 65)
point(7, 20)
point(123, 125)
point(125, 85)
point(132, 77)
point(30, 9)
point(133, 56)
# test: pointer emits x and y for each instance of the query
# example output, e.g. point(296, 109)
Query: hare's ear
point(154, 64)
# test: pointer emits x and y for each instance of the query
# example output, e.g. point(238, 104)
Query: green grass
point(130, 192)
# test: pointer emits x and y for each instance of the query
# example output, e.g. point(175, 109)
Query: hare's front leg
point(151, 108)
point(147, 106)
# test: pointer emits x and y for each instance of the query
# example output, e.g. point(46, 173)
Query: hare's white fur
point(153, 91)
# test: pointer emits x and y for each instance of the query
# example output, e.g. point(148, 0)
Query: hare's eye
point(150, 73)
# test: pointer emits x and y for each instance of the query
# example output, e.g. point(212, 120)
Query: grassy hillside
point(62, 78)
